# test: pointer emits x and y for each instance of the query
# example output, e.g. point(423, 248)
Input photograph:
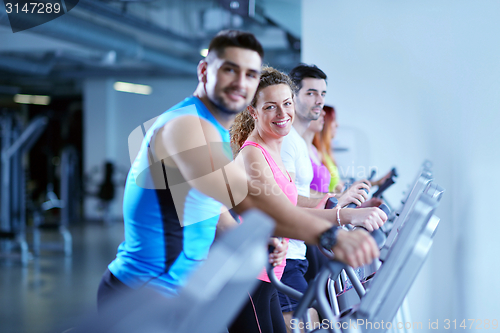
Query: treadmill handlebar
point(280, 286)
point(352, 204)
point(378, 234)
point(331, 203)
point(385, 209)
point(388, 182)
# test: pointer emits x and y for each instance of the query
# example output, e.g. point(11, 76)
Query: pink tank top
point(288, 187)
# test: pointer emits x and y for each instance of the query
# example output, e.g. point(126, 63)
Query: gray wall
point(109, 118)
point(415, 80)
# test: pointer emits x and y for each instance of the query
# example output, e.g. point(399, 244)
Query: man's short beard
point(220, 105)
point(313, 116)
point(309, 116)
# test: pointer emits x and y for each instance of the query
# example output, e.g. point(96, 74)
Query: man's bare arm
point(305, 201)
point(178, 146)
point(226, 222)
point(315, 194)
point(199, 163)
point(308, 202)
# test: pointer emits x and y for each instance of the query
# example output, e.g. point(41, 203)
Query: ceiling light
point(204, 52)
point(32, 99)
point(133, 88)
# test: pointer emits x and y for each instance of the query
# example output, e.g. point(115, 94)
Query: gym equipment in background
point(68, 205)
point(389, 286)
point(382, 294)
point(16, 141)
point(386, 184)
point(423, 179)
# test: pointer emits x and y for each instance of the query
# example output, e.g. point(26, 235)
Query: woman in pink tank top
point(256, 137)
point(286, 185)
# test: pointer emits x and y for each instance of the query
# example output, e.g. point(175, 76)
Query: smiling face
point(231, 79)
point(310, 98)
point(273, 111)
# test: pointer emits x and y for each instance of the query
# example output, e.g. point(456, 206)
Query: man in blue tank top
point(183, 178)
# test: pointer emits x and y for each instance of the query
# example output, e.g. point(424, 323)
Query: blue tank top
point(167, 236)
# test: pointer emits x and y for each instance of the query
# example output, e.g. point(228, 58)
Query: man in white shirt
point(309, 101)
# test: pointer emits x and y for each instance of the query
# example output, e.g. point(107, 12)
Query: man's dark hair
point(302, 71)
point(234, 38)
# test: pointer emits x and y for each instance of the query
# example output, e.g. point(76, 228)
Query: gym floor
point(52, 291)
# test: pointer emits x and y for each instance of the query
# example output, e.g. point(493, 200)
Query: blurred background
point(410, 81)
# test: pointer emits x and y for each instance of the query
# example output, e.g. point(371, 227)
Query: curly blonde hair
point(244, 123)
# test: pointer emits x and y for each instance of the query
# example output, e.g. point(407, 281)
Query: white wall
point(421, 79)
point(110, 116)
